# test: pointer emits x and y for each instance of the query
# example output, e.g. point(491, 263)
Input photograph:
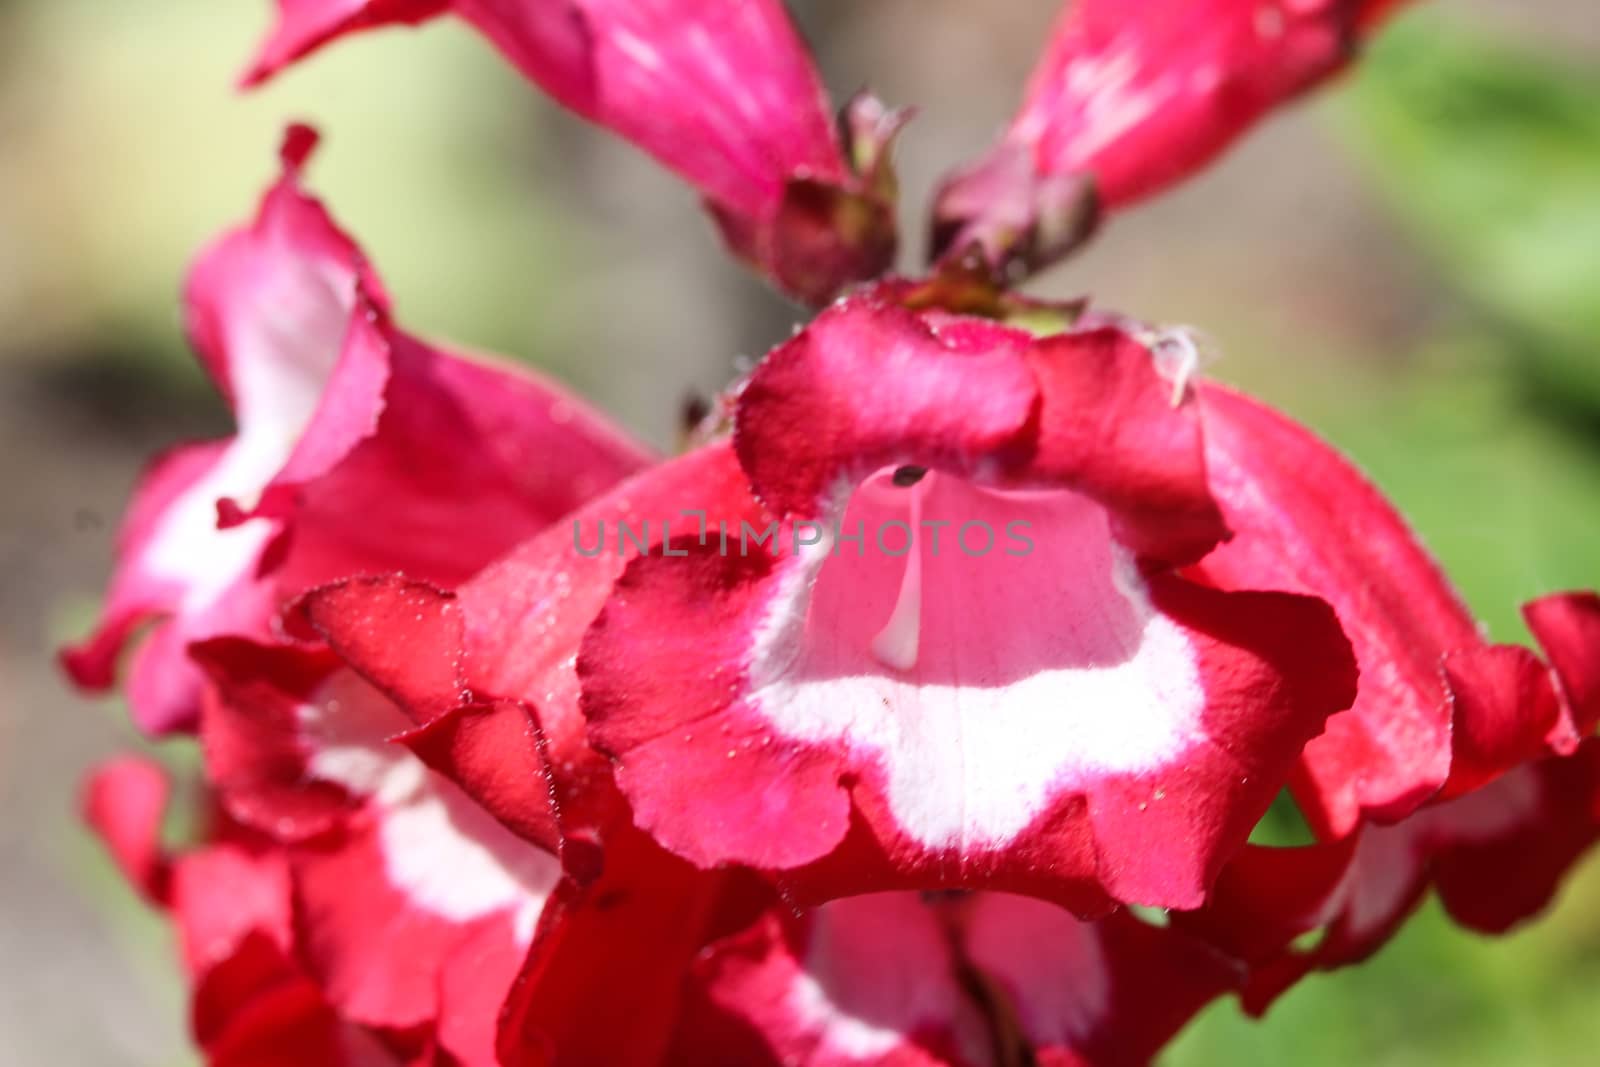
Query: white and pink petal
point(1090, 994)
point(958, 701)
point(872, 980)
point(398, 876)
point(341, 417)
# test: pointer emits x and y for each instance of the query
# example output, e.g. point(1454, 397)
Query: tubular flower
point(1130, 97)
point(406, 891)
point(722, 92)
point(751, 674)
point(602, 982)
point(969, 981)
point(1495, 857)
point(341, 416)
point(349, 902)
point(232, 901)
point(1519, 804)
point(1304, 520)
point(969, 559)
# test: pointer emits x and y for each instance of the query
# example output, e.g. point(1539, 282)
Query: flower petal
point(604, 981)
point(525, 616)
point(492, 752)
point(302, 26)
point(1114, 991)
point(421, 882)
point(267, 305)
point(1436, 703)
point(173, 564)
point(869, 980)
point(402, 636)
point(1130, 97)
point(398, 875)
point(256, 1008)
point(406, 639)
point(250, 1004)
point(222, 896)
point(124, 801)
point(723, 92)
point(1505, 710)
point(962, 981)
point(450, 436)
point(385, 918)
point(869, 385)
point(1304, 520)
point(956, 699)
point(1496, 857)
point(1567, 627)
point(257, 754)
point(341, 417)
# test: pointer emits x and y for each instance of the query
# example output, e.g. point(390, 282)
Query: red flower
point(1130, 97)
point(520, 749)
point(912, 981)
point(1305, 521)
point(232, 904)
point(719, 676)
point(342, 418)
point(601, 983)
point(414, 907)
point(1495, 857)
point(723, 92)
point(351, 904)
point(938, 718)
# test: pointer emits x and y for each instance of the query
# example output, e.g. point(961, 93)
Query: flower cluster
point(772, 773)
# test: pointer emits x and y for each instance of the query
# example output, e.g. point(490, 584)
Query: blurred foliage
point(1490, 153)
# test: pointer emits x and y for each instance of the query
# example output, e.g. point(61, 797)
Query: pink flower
point(619, 751)
point(851, 735)
point(351, 902)
point(1492, 822)
point(1130, 97)
point(722, 92)
point(602, 981)
point(413, 905)
point(342, 418)
point(231, 901)
point(933, 718)
point(1495, 857)
point(968, 981)
point(1305, 521)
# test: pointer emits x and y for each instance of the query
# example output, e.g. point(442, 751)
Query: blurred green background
point(1411, 263)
